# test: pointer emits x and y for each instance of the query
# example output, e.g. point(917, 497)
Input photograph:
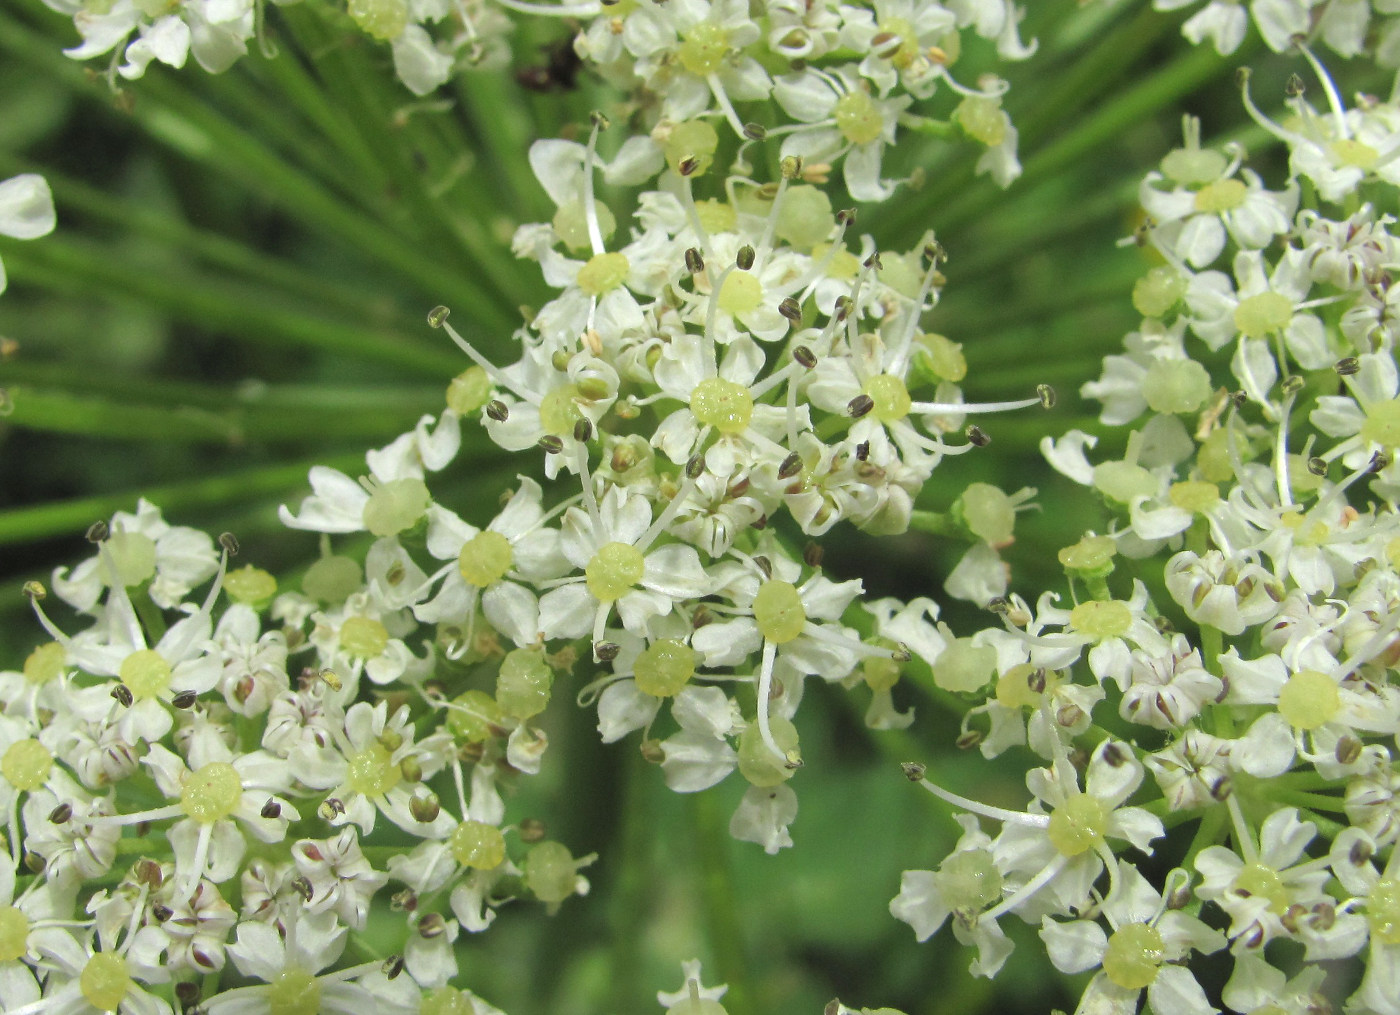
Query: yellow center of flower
point(1133, 956)
point(478, 845)
point(1263, 314)
point(1309, 699)
point(1358, 154)
point(44, 663)
point(212, 792)
point(1382, 424)
point(485, 558)
point(14, 933)
point(1221, 196)
point(104, 981)
point(722, 404)
point(372, 772)
point(26, 764)
point(857, 118)
point(294, 991)
point(603, 273)
point(250, 585)
point(363, 637)
point(664, 668)
point(1078, 824)
point(741, 293)
point(778, 612)
point(1194, 495)
point(1255, 879)
point(890, 396)
point(704, 48)
point(1100, 619)
point(145, 673)
point(1383, 911)
point(613, 571)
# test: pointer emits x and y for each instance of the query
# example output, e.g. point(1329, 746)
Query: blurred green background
point(237, 289)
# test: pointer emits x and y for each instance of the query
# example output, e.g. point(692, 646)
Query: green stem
point(726, 931)
point(19, 525)
point(58, 264)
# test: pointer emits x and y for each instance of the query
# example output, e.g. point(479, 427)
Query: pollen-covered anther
point(977, 437)
point(437, 316)
point(755, 132)
point(913, 771)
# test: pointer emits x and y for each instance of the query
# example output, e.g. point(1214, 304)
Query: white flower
point(26, 210)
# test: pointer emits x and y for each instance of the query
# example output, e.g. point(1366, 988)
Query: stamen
point(1334, 100)
point(717, 89)
point(590, 213)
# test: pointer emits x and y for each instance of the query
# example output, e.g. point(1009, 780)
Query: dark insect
point(559, 73)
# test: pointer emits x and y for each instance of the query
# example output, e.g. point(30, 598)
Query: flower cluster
point(1258, 490)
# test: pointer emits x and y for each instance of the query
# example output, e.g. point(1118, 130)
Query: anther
point(35, 591)
point(147, 872)
point(437, 316)
point(689, 165)
point(1046, 394)
point(1360, 853)
point(331, 680)
point(1295, 88)
point(790, 167)
point(424, 807)
point(804, 357)
point(551, 443)
point(229, 543)
point(187, 993)
point(123, 695)
point(161, 912)
point(873, 261)
point(968, 740)
point(185, 699)
point(302, 886)
point(1114, 755)
point(860, 406)
point(900, 653)
point(744, 259)
point(913, 771)
point(61, 813)
point(331, 808)
point(1378, 461)
point(790, 309)
point(606, 651)
point(97, 532)
point(405, 901)
point(1292, 384)
point(497, 410)
point(393, 967)
point(583, 431)
point(812, 556)
point(765, 565)
point(863, 451)
point(531, 830)
point(599, 120)
point(432, 925)
point(1317, 466)
point(977, 437)
point(790, 466)
point(755, 132)
point(1348, 750)
point(34, 862)
point(1035, 680)
point(844, 306)
point(695, 467)
point(846, 217)
point(1347, 366)
point(694, 261)
point(272, 809)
